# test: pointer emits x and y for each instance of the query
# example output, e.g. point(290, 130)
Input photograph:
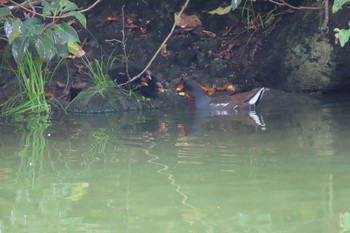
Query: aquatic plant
point(34, 41)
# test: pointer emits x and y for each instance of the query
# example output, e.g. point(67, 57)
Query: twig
point(124, 47)
point(160, 47)
point(284, 3)
point(90, 7)
point(31, 4)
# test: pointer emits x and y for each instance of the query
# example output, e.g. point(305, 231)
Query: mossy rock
point(115, 100)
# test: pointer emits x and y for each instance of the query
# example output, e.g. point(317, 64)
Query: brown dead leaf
point(212, 90)
point(79, 67)
point(164, 51)
point(208, 90)
point(60, 84)
point(228, 87)
point(50, 94)
point(80, 86)
point(187, 22)
point(113, 18)
point(231, 87)
point(4, 1)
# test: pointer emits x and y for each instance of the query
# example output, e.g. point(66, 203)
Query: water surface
point(185, 171)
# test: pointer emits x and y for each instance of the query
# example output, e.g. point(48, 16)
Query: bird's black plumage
point(147, 84)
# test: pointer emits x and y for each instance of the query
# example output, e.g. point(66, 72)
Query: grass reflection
point(31, 149)
point(38, 207)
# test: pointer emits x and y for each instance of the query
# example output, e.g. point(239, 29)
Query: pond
point(274, 170)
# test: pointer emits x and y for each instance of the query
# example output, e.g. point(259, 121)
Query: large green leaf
point(32, 27)
point(13, 29)
point(45, 46)
point(66, 6)
point(79, 16)
point(62, 50)
point(338, 4)
point(64, 33)
point(19, 48)
point(4, 11)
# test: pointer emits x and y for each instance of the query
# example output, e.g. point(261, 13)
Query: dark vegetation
point(222, 51)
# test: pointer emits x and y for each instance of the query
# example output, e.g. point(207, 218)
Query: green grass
point(32, 78)
point(99, 71)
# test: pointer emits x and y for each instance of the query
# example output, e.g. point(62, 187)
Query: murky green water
point(179, 172)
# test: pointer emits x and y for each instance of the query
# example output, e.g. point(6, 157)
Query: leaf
point(32, 27)
point(64, 33)
point(19, 48)
point(66, 6)
point(79, 16)
point(187, 21)
point(62, 50)
point(13, 29)
point(344, 35)
point(75, 49)
point(45, 46)
point(337, 5)
point(235, 4)
point(50, 8)
point(4, 11)
point(221, 11)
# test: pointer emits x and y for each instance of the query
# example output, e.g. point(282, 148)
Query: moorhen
point(244, 100)
point(146, 85)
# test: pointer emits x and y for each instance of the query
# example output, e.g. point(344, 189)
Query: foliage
point(32, 78)
point(338, 4)
point(46, 38)
point(225, 10)
point(342, 35)
point(34, 41)
point(98, 71)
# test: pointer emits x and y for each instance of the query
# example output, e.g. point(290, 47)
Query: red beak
point(149, 76)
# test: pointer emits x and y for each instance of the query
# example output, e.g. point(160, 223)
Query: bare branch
point(25, 6)
point(160, 47)
point(324, 26)
point(284, 3)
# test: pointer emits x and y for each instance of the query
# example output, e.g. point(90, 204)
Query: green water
point(178, 172)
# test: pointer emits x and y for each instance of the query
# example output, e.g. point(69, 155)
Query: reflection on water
point(277, 170)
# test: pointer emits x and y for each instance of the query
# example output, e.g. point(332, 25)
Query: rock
point(115, 100)
point(300, 57)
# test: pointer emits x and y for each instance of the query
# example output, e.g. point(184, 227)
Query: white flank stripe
point(256, 97)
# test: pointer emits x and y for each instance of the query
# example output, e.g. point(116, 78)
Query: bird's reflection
point(203, 120)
